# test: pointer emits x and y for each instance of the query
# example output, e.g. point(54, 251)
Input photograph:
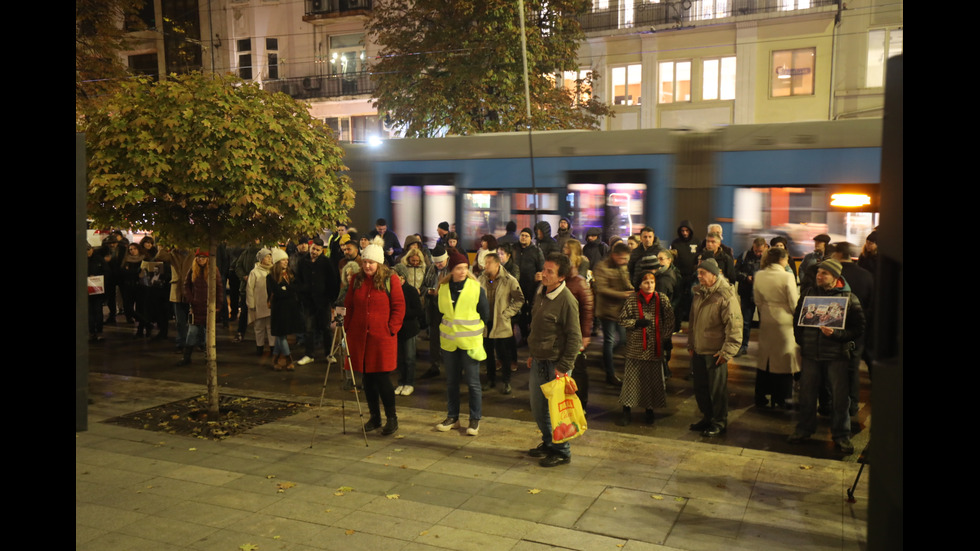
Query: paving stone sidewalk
point(422, 489)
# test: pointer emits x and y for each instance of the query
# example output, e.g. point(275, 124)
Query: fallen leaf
point(277, 537)
point(398, 449)
point(399, 436)
point(270, 476)
point(678, 499)
point(327, 511)
point(192, 449)
point(518, 410)
point(467, 457)
point(423, 532)
point(614, 508)
point(285, 486)
point(534, 491)
point(248, 547)
point(404, 467)
point(620, 544)
point(806, 467)
point(348, 531)
point(345, 489)
point(659, 498)
point(175, 417)
point(392, 496)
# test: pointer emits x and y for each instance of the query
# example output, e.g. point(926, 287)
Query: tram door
point(419, 202)
point(613, 202)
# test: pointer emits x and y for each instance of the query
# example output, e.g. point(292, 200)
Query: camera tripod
point(339, 348)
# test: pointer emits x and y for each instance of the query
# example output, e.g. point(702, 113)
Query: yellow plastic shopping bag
point(565, 409)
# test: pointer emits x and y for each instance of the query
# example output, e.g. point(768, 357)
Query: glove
point(641, 323)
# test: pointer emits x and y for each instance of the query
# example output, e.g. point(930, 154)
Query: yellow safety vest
point(461, 326)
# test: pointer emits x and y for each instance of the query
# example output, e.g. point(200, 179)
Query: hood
point(593, 231)
point(412, 239)
point(545, 228)
point(685, 224)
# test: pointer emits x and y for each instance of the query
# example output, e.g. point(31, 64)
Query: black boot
point(649, 417)
point(186, 359)
point(258, 350)
point(391, 425)
point(626, 418)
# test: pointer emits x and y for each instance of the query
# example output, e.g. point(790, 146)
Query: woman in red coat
point(375, 310)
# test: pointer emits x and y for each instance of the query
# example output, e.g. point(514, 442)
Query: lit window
point(674, 81)
point(793, 72)
point(787, 5)
point(579, 84)
point(718, 79)
point(626, 85)
point(347, 54)
point(625, 13)
point(882, 44)
point(710, 9)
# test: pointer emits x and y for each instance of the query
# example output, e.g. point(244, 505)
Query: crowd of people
point(548, 293)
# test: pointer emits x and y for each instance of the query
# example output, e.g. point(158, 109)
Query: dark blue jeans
point(543, 371)
point(612, 335)
point(459, 364)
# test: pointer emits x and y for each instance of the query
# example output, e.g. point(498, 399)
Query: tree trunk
point(210, 352)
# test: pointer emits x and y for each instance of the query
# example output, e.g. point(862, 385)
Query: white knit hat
point(373, 253)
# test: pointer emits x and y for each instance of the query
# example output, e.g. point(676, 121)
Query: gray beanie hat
point(711, 265)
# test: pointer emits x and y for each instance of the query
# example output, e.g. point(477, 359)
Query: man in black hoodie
point(546, 243)
point(685, 249)
point(594, 249)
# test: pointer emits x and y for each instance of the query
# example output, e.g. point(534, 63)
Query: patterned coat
point(634, 336)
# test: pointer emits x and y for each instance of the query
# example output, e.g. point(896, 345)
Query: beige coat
point(507, 302)
point(776, 296)
point(716, 320)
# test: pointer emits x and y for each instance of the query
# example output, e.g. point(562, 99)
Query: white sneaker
point(305, 360)
point(399, 389)
point(474, 428)
point(447, 425)
point(407, 390)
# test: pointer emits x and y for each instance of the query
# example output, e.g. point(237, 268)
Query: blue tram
point(791, 179)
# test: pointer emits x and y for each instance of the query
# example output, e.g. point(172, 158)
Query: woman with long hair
point(285, 317)
point(573, 250)
point(375, 312)
point(649, 322)
point(196, 294)
point(488, 244)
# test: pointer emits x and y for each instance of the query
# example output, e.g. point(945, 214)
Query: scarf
point(656, 319)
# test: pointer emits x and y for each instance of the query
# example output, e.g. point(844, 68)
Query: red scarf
point(656, 319)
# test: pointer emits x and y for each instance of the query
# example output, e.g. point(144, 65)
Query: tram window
point(485, 211)
point(614, 208)
point(797, 213)
point(417, 208)
point(547, 203)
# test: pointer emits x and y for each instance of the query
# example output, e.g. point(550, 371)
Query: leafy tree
point(200, 159)
point(457, 66)
point(102, 30)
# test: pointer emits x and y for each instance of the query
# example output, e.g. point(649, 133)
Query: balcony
point(329, 9)
point(326, 86)
point(628, 14)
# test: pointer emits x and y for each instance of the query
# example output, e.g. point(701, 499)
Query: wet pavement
point(241, 371)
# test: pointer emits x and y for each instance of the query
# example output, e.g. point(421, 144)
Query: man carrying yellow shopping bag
point(554, 341)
